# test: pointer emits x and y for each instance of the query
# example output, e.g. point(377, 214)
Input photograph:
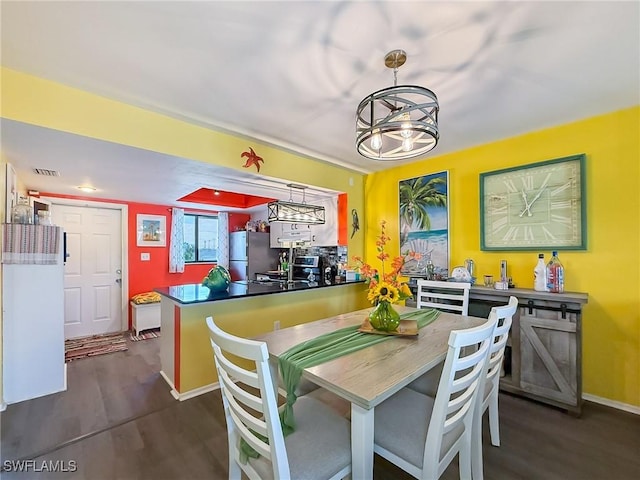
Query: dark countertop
point(196, 293)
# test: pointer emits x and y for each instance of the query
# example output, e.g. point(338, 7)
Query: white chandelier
point(397, 122)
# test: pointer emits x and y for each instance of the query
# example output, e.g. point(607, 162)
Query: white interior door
point(92, 273)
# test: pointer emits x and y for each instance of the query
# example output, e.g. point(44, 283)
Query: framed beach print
point(424, 224)
point(152, 230)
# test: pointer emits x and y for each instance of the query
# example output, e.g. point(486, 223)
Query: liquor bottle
point(540, 275)
point(555, 274)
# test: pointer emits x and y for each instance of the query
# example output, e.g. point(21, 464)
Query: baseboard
point(197, 391)
point(191, 393)
point(611, 403)
point(174, 392)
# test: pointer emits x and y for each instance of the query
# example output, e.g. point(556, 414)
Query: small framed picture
point(152, 230)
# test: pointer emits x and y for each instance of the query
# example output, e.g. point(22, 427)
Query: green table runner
point(322, 349)
point(327, 347)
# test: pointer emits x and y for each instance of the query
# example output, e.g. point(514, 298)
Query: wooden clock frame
point(520, 206)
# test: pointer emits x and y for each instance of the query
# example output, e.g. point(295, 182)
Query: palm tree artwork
point(424, 222)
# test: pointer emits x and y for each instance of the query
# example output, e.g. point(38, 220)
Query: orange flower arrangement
point(386, 287)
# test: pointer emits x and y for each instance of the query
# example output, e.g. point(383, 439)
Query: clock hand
point(542, 189)
point(527, 205)
point(537, 196)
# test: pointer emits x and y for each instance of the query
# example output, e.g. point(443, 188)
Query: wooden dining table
point(369, 376)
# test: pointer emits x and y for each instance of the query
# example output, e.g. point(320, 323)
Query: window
point(200, 238)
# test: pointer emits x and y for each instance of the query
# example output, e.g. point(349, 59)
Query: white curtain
point(223, 239)
point(176, 246)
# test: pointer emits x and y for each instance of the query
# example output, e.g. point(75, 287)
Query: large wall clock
point(539, 206)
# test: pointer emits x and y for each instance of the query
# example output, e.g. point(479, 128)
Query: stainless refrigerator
point(249, 253)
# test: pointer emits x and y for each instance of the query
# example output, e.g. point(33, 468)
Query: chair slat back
point(249, 399)
point(504, 315)
point(446, 296)
point(462, 376)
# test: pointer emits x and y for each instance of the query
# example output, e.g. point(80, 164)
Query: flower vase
point(384, 317)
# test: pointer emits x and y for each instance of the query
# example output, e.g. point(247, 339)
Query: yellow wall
point(51, 105)
point(249, 317)
point(609, 270)
point(36, 101)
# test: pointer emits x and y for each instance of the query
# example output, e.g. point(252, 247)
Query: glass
point(44, 217)
point(22, 212)
point(384, 317)
point(207, 239)
point(200, 238)
point(488, 280)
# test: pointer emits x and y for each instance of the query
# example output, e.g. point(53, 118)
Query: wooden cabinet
point(544, 356)
point(283, 233)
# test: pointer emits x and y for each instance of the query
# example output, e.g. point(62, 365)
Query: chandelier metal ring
point(397, 122)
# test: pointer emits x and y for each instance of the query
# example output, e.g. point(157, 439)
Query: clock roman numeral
point(527, 182)
point(499, 210)
point(547, 234)
point(528, 234)
point(511, 234)
point(561, 188)
point(561, 219)
point(499, 224)
point(510, 186)
point(546, 180)
point(560, 204)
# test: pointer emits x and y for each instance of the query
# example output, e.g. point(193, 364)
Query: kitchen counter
point(196, 293)
point(246, 309)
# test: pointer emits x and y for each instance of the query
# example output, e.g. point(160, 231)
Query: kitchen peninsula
point(246, 309)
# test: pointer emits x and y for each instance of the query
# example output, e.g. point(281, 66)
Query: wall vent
point(46, 173)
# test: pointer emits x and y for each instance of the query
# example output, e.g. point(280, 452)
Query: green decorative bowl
point(217, 280)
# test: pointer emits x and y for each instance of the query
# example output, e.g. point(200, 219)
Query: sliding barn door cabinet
point(543, 359)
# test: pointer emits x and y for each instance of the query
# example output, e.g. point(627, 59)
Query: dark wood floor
point(117, 420)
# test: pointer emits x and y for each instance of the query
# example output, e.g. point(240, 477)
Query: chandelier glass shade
point(291, 212)
point(397, 122)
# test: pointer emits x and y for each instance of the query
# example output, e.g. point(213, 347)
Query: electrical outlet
point(276, 325)
point(145, 257)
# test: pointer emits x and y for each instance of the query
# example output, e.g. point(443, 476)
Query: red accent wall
point(238, 221)
point(343, 219)
point(144, 276)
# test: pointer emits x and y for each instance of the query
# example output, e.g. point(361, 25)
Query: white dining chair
point(489, 400)
point(320, 446)
point(450, 297)
point(422, 435)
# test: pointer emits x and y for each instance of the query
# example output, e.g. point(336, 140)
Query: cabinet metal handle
point(563, 309)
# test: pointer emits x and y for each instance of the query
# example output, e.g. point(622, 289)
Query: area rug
point(147, 334)
point(93, 345)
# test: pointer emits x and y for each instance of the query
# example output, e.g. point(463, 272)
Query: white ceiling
point(292, 74)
